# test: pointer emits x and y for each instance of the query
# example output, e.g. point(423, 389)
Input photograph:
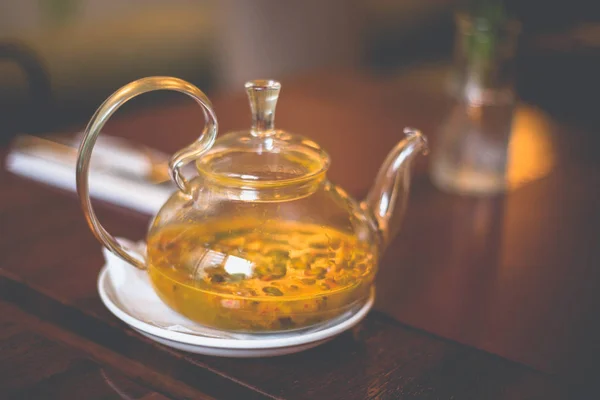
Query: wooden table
point(491, 298)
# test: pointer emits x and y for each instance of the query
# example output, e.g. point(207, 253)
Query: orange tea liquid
point(257, 276)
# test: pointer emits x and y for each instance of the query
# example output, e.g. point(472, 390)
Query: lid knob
point(263, 95)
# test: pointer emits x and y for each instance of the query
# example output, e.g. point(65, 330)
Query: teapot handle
point(178, 161)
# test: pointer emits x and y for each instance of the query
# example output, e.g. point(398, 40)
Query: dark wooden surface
point(491, 298)
point(39, 361)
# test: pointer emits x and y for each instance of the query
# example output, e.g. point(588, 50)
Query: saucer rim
point(289, 340)
point(235, 353)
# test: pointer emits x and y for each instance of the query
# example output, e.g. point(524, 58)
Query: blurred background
point(59, 59)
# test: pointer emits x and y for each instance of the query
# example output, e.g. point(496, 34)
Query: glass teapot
point(259, 240)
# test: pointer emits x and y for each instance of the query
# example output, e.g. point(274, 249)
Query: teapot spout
point(387, 199)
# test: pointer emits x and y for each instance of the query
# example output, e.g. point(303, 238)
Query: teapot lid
point(263, 156)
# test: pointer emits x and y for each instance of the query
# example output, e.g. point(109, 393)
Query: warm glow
point(531, 151)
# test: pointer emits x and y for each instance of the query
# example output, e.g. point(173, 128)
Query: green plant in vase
point(485, 46)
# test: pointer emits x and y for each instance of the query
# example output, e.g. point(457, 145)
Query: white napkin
point(58, 169)
point(136, 296)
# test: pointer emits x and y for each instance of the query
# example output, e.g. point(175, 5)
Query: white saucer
point(207, 341)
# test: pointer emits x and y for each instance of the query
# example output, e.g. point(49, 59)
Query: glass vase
point(471, 152)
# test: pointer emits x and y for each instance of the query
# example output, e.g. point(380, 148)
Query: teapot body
point(258, 239)
point(231, 262)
